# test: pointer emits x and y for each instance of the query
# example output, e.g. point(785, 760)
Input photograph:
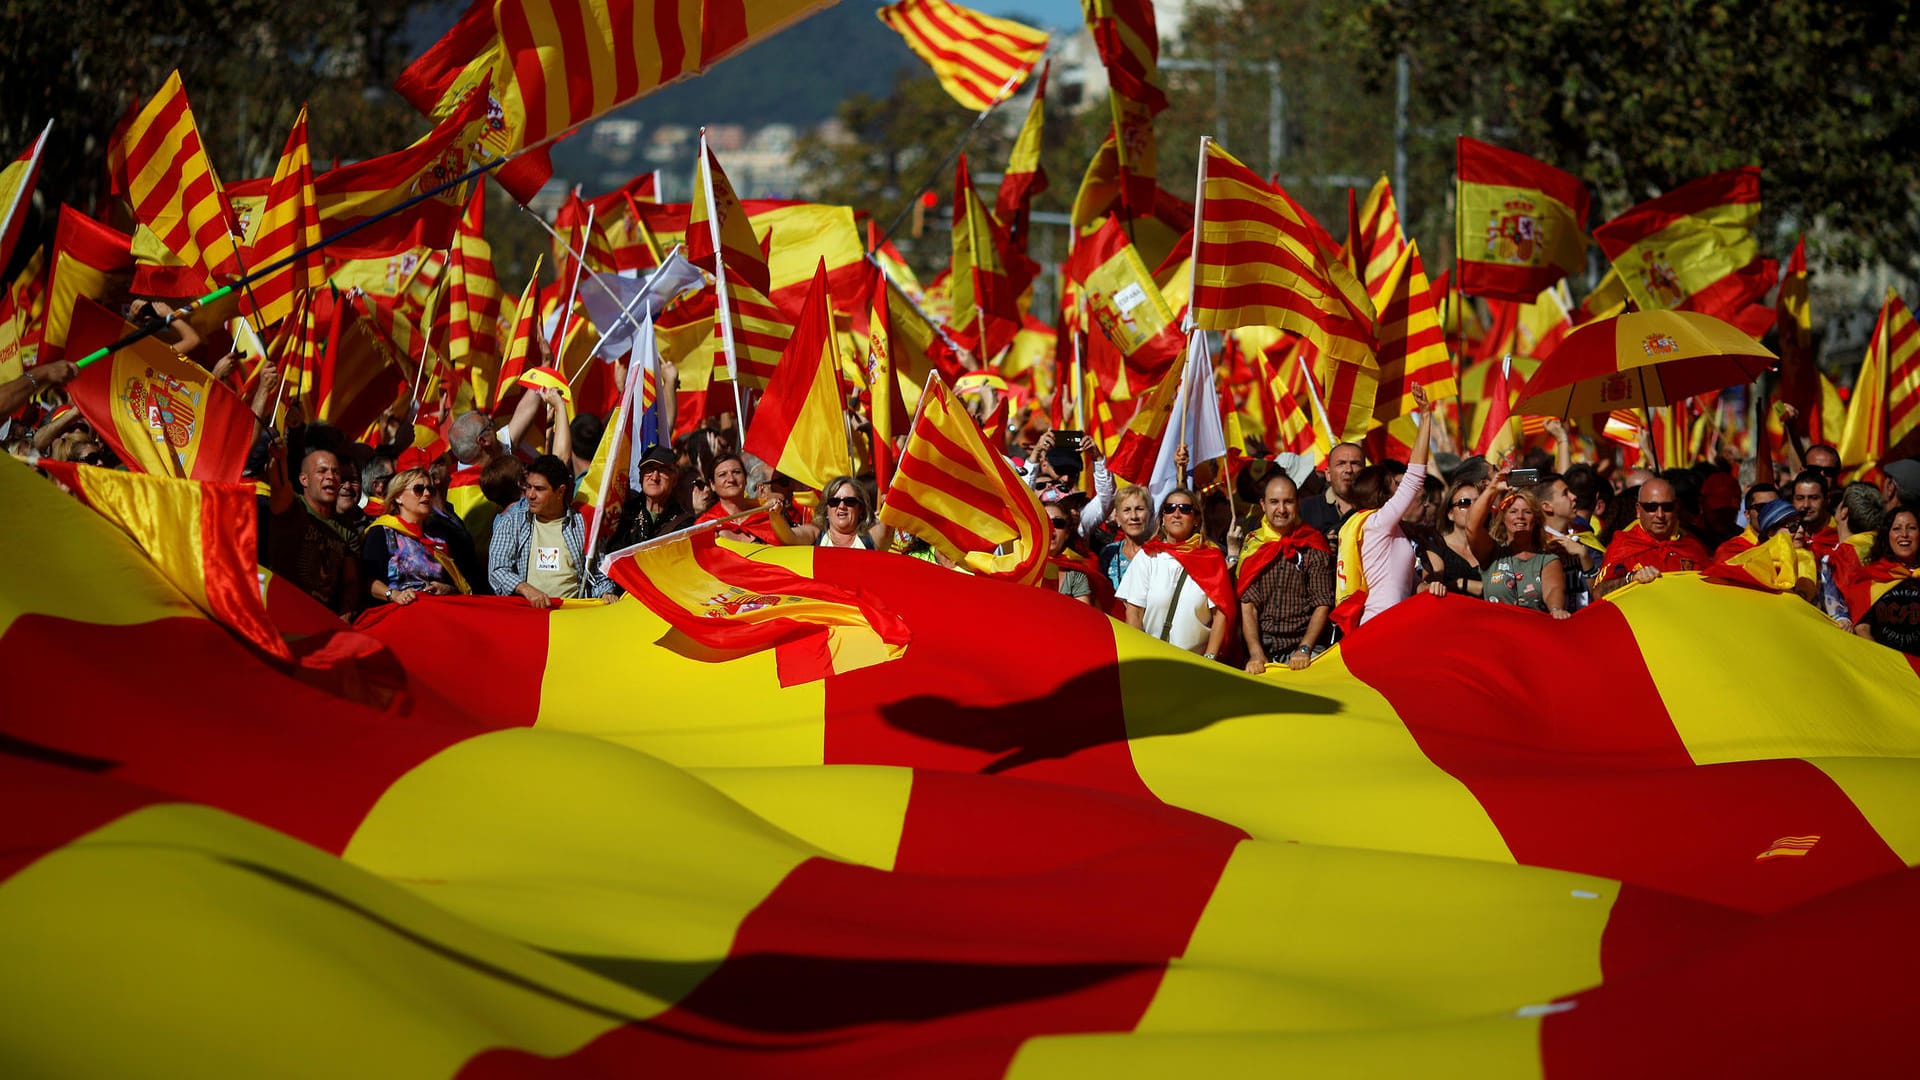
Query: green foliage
point(1638, 98)
point(247, 66)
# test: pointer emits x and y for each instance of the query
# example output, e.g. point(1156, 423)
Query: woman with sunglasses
point(845, 518)
point(1451, 565)
point(1518, 569)
point(400, 562)
point(1179, 589)
point(1886, 592)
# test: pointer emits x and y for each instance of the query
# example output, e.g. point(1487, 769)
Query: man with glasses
point(1653, 545)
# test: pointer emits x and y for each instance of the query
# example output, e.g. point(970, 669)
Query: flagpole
point(626, 311)
point(1320, 410)
point(426, 337)
point(1199, 207)
point(154, 326)
point(725, 308)
point(1006, 91)
point(606, 480)
point(682, 534)
point(593, 278)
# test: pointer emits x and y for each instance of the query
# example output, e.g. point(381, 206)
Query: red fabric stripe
point(1484, 163)
point(673, 49)
point(518, 38)
point(151, 141)
point(428, 78)
point(723, 28)
point(1602, 783)
point(1499, 281)
point(1692, 198)
point(48, 800)
point(570, 23)
point(978, 81)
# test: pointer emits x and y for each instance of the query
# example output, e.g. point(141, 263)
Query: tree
point(1639, 98)
point(247, 66)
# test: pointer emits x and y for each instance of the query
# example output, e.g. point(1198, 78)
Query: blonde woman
point(1516, 567)
point(845, 517)
point(399, 561)
point(1133, 513)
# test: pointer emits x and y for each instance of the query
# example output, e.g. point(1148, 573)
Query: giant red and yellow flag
point(980, 60)
point(200, 536)
point(958, 494)
point(544, 67)
point(1025, 176)
point(1413, 348)
point(289, 223)
point(1125, 34)
point(1256, 263)
point(90, 259)
point(16, 192)
point(1884, 412)
point(353, 196)
point(162, 168)
point(988, 274)
point(734, 604)
point(1119, 294)
point(919, 860)
point(800, 427)
point(161, 413)
point(1522, 222)
point(1693, 249)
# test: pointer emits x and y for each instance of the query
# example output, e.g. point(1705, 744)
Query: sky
point(1057, 13)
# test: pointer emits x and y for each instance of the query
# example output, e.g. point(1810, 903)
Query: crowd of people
point(1268, 565)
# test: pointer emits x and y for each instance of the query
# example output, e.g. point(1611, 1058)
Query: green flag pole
point(155, 325)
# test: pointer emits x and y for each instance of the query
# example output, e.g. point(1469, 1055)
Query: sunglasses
point(1176, 508)
point(422, 489)
point(699, 483)
point(1797, 525)
point(96, 459)
point(1659, 507)
point(1058, 522)
point(1824, 470)
point(1063, 483)
point(849, 501)
point(1462, 504)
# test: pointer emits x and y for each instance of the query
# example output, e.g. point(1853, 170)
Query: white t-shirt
point(1149, 585)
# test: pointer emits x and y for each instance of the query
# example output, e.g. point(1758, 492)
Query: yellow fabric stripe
point(1490, 1048)
point(1871, 750)
point(852, 812)
point(1315, 756)
point(1306, 938)
point(220, 933)
point(125, 590)
point(1700, 249)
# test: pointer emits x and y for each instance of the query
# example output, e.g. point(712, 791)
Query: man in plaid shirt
point(539, 543)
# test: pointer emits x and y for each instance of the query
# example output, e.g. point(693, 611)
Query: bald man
point(1654, 544)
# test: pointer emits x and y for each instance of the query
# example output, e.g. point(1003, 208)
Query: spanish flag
point(1802, 384)
point(200, 536)
point(289, 222)
point(979, 60)
point(17, 180)
point(90, 259)
point(800, 426)
point(1520, 222)
point(23, 316)
point(1025, 176)
point(161, 413)
point(899, 339)
point(958, 494)
point(730, 605)
point(1120, 295)
point(1257, 263)
point(1884, 412)
point(1693, 249)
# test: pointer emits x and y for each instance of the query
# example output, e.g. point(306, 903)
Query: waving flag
point(1375, 239)
point(899, 341)
point(1521, 222)
point(473, 301)
point(1884, 412)
point(800, 427)
point(1256, 263)
point(989, 274)
point(1802, 384)
point(289, 222)
point(1127, 306)
point(542, 67)
point(1413, 348)
point(162, 168)
point(16, 191)
point(727, 601)
point(979, 60)
point(958, 494)
point(720, 239)
point(1693, 249)
point(1128, 41)
point(89, 259)
point(1024, 177)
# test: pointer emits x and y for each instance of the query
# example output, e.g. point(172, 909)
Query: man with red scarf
point(1654, 544)
point(1286, 581)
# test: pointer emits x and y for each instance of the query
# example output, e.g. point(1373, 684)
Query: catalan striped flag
point(1349, 394)
point(473, 301)
point(988, 274)
point(1884, 412)
point(958, 494)
point(1128, 41)
point(1788, 847)
point(1257, 263)
point(517, 349)
point(1025, 176)
point(162, 414)
point(1119, 294)
point(163, 169)
point(1521, 222)
point(720, 239)
point(1693, 249)
point(16, 191)
point(980, 60)
point(580, 230)
point(1413, 348)
point(543, 67)
point(289, 222)
point(800, 427)
point(1375, 238)
point(90, 259)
